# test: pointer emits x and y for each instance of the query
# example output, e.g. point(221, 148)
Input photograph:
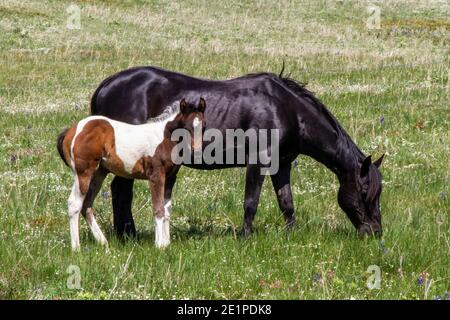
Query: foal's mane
point(167, 113)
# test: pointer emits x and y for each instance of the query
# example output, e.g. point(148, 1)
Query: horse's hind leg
point(281, 182)
point(75, 204)
point(88, 213)
point(253, 183)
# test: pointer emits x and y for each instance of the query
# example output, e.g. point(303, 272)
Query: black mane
point(301, 91)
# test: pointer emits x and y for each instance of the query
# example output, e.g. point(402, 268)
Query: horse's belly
point(132, 145)
point(119, 169)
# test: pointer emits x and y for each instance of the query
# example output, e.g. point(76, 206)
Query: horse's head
point(359, 197)
point(191, 118)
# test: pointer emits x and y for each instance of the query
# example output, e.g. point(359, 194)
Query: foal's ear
point(201, 105)
point(379, 161)
point(365, 166)
point(183, 106)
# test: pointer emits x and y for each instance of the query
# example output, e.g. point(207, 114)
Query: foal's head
point(191, 118)
point(359, 197)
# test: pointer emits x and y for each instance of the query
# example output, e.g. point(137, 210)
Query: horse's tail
point(59, 145)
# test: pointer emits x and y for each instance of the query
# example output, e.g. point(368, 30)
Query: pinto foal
point(96, 146)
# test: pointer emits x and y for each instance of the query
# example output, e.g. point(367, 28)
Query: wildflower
point(295, 163)
point(13, 159)
point(105, 195)
point(442, 195)
point(423, 277)
point(382, 120)
point(317, 279)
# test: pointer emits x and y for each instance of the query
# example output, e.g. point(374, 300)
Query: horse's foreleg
point(122, 196)
point(253, 183)
point(168, 187)
point(281, 182)
point(87, 211)
point(162, 232)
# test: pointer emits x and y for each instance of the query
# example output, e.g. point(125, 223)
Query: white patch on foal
point(136, 141)
point(196, 122)
point(96, 231)
point(162, 226)
point(75, 204)
point(162, 235)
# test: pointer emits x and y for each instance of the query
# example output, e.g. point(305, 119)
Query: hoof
point(162, 244)
point(291, 225)
point(246, 233)
point(105, 244)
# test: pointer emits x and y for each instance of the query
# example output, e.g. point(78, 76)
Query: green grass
point(400, 72)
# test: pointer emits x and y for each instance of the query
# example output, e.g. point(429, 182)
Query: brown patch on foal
point(138, 171)
point(95, 142)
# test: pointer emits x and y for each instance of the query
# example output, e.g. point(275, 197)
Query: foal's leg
point(162, 235)
point(168, 187)
point(75, 203)
point(282, 185)
point(253, 183)
point(88, 213)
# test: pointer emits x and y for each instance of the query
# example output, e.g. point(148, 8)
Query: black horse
point(262, 100)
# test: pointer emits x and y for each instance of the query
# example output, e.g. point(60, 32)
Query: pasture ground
point(389, 87)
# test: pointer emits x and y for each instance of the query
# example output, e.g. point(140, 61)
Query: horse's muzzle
point(373, 229)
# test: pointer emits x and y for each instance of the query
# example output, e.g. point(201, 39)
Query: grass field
point(389, 87)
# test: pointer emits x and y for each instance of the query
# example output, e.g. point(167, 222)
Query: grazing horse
point(253, 101)
point(97, 145)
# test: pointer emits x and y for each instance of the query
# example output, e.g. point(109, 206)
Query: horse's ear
point(365, 166)
point(201, 105)
point(379, 161)
point(183, 106)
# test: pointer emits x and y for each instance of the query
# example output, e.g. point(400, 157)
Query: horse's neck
point(349, 158)
point(341, 156)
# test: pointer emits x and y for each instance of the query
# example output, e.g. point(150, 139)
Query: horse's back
point(131, 95)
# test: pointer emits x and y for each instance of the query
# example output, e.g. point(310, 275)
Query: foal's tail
point(59, 145)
